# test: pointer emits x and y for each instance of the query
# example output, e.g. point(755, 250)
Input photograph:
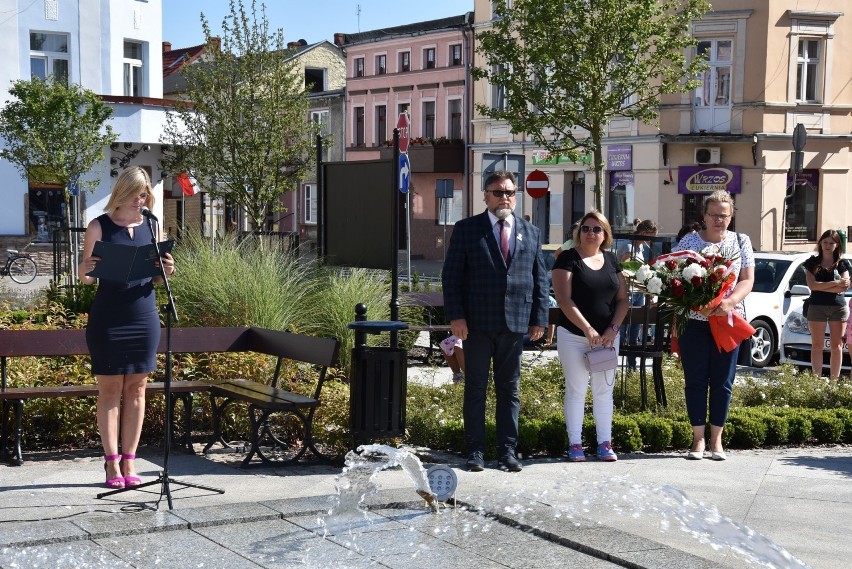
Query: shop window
point(47, 211)
point(800, 217)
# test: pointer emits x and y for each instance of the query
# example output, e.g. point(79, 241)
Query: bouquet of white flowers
point(688, 281)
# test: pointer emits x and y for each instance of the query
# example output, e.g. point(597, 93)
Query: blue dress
point(124, 325)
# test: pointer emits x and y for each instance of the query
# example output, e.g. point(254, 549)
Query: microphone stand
point(170, 311)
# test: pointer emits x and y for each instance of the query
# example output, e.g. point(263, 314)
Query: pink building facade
point(422, 70)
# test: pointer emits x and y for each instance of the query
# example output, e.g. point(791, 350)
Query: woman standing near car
point(706, 369)
point(827, 275)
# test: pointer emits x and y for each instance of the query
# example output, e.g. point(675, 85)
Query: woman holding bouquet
point(592, 295)
point(827, 275)
point(705, 366)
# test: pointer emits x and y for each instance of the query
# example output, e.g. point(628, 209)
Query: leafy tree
point(576, 64)
point(54, 133)
point(245, 125)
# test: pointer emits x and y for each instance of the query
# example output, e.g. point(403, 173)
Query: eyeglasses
point(719, 216)
point(587, 228)
point(501, 193)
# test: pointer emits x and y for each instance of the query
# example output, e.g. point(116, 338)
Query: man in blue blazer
point(495, 291)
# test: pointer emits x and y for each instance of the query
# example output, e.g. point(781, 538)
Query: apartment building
point(420, 69)
point(111, 47)
point(324, 70)
point(772, 66)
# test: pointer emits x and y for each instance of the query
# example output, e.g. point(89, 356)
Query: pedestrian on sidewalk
point(451, 348)
point(495, 292)
point(592, 293)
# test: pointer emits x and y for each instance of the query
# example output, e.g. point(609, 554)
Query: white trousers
point(571, 349)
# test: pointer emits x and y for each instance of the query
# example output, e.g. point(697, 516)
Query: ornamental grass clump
point(233, 282)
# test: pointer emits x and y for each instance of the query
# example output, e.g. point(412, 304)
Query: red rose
point(714, 277)
point(677, 290)
point(696, 281)
point(671, 265)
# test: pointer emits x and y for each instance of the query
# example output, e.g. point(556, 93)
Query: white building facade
point(110, 47)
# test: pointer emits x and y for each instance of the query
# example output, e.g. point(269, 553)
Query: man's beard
point(502, 213)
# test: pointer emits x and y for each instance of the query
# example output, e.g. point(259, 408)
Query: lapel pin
point(520, 237)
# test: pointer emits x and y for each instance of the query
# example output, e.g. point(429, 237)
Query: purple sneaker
point(576, 454)
point(606, 453)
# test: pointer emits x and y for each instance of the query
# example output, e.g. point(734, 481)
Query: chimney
point(215, 43)
point(339, 38)
point(293, 45)
point(167, 46)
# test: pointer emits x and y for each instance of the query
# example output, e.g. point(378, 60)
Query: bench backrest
point(16, 343)
point(311, 349)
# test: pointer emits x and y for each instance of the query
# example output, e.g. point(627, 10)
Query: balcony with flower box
point(431, 154)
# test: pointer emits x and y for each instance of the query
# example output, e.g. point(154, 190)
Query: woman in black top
point(592, 294)
point(827, 276)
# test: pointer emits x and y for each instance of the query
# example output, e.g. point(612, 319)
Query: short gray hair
point(719, 196)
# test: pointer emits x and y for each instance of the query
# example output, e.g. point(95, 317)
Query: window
point(359, 126)
point(429, 58)
point(455, 129)
point(359, 67)
point(381, 64)
point(712, 100)
point(133, 69)
point(381, 124)
point(405, 61)
point(429, 119)
point(403, 108)
point(450, 210)
point(47, 211)
point(455, 55)
point(807, 71)
point(49, 56)
point(498, 91)
point(310, 203)
point(800, 221)
point(315, 79)
point(320, 118)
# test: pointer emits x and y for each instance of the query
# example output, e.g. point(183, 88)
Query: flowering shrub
point(687, 281)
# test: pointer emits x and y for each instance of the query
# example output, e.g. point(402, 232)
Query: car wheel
point(763, 344)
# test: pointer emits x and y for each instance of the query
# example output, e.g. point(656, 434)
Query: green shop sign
point(544, 158)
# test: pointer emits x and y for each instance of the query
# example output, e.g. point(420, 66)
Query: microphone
point(147, 213)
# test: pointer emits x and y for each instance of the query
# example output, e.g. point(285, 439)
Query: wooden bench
point(48, 343)
point(265, 399)
point(437, 328)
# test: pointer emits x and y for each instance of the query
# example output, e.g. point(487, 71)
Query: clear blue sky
point(311, 20)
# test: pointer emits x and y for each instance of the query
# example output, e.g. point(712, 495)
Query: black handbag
point(805, 305)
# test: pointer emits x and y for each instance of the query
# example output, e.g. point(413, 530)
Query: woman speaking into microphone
point(124, 325)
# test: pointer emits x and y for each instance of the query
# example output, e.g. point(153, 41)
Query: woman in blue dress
point(124, 326)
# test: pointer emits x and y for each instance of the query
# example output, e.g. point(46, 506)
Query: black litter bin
point(377, 385)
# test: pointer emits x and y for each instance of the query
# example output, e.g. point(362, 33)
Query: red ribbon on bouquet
point(728, 331)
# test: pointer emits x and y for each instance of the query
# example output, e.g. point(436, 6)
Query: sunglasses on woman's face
point(594, 229)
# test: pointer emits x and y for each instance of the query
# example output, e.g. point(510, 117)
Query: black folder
point(125, 263)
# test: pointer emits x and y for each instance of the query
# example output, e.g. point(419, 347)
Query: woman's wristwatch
point(615, 327)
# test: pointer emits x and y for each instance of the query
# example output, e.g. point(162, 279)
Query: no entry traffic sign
point(537, 184)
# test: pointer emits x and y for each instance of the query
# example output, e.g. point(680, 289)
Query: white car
point(771, 301)
point(796, 336)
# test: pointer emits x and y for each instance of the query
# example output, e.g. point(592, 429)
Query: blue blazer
point(479, 287)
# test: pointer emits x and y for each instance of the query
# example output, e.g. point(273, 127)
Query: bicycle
point(20, 267)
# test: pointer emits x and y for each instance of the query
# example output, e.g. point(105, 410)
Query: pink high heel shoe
point(130, 480)
point(113, 483)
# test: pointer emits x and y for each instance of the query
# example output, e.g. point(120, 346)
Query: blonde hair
point(130, 184)
point(601, 219)
point(719, 196)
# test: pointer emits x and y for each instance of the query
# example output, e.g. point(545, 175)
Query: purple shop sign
point(620, 179)
point(707, 179)
point(619, 157)
point(805, 178)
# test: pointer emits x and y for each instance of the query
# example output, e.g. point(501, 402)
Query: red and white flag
point(188, 184)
